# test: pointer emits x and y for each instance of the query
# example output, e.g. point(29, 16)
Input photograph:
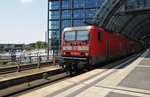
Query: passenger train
point(83, 47)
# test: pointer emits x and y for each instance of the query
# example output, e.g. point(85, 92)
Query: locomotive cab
point(75, 46)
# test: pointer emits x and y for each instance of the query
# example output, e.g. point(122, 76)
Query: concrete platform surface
point(26, 73)
point(132, 80)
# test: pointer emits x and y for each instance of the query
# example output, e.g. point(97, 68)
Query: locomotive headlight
point(86, 54)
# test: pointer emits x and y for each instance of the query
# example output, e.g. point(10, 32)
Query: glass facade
point(137, 4)
point(69, 13)
point(129, 18)
point(66, 14)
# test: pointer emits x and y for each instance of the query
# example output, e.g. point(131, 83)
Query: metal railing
point(21, 60)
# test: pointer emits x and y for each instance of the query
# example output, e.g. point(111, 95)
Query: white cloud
point(26, 1)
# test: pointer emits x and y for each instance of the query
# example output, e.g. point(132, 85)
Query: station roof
point(130, 18)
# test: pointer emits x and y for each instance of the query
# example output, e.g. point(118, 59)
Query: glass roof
point(130, 18)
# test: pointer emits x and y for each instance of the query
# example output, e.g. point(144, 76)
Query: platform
point(132, 80)
point(15, 75)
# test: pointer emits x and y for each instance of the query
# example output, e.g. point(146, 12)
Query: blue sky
point(23, 21)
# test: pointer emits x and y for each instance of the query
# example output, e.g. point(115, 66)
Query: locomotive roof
point(81, 28)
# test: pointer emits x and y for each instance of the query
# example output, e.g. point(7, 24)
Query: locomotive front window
point(83, 35)
point(69, 36)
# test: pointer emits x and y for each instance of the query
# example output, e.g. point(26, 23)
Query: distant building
point(18, 47)
point(12, 47)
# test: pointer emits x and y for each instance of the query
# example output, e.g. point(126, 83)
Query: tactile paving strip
point(112, 94)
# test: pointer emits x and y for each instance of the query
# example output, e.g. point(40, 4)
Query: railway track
point(59, 76)
point(62, 76)
point(16, 68)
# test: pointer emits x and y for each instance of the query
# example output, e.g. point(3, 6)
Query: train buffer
point(130, 78)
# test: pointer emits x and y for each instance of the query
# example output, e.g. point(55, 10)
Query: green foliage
point(37, 45)
point(1, 47)
point(31, 46)
point(45, 76)
point(5, 47)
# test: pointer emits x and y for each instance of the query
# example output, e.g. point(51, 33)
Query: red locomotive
point(83, 47)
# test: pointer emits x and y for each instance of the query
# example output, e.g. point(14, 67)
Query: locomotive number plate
point(75, 48)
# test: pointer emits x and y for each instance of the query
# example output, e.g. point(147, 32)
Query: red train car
point(83, 47)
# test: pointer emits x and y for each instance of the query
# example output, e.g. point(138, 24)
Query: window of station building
point(54, 24)
point(55, 34)
point(103, 12)
point(107, 8)
point(132, 4)
point(90, 13)
point(66, 14)
point(66, 4)
point(90, 20)
point(54, 4)
point(142, 3)
point(100, 2)
point(66, 23)
point(54, 44)
point(54, 47)
point(78, 14)
point(91, 3)
point(147, 3)
point(109, 4)
point(78, 3)
point(78, 23)
point(54, 14)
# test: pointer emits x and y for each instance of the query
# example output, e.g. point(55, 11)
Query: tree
point(37, 45)
point(40, 45)
point(1, 47)
point(7, 47)
point(44, 45)
point(30, 46)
